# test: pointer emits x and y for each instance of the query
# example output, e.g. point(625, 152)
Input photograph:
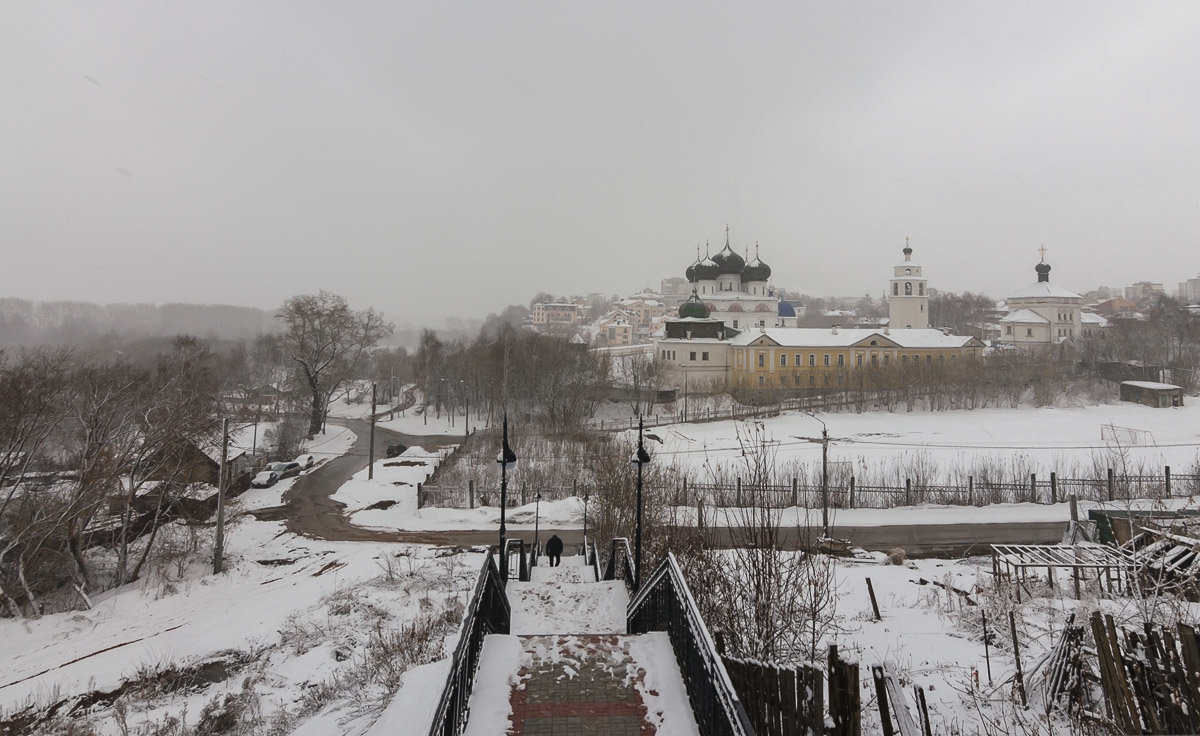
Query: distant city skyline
point(441, 160)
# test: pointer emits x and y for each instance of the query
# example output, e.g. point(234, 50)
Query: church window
point(735, 324)
point(895, 289)
point(783, 360)
point(1028, 332)
point(762, 360)
point(907, 288)
point(922, 307)
point(908, 272)
point(921, 288)
point(1008, 329)
point(703, 356)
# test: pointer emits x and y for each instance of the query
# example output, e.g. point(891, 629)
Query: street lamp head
point(641, 457)
point(507, 456)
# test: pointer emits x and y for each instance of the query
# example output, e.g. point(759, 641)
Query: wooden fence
point(789, 701)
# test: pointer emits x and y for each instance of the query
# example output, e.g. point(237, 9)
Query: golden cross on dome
point(906, 245)
point(1042, 250)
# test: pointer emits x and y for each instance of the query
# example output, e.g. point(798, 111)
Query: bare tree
point(327, 341)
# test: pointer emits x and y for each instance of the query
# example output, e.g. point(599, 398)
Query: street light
point(824, 473)
point(640, 458)
point(507, 457)
point(537, 512)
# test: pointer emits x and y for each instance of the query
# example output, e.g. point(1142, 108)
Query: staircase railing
point(664, 603)
point(592, 557)
point(517, 547)
point(620, 564)
point(487, 613)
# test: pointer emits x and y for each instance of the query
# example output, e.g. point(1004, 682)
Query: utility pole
point(824, 481)
point(222, 476)
point(371, 442)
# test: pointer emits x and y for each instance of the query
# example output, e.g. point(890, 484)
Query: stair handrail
point(522, 569)
point(487, 613)
point(621, 565)
point(591, 551)
point(664, 602)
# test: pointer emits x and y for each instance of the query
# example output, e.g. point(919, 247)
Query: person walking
point(554, 549)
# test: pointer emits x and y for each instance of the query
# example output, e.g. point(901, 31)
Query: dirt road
point(309, 511)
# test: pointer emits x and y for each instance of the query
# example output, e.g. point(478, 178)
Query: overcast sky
point(445, 158)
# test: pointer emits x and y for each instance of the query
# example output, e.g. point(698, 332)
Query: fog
point(449, 158)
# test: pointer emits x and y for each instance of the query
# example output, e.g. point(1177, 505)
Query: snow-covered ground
point(1042, 440)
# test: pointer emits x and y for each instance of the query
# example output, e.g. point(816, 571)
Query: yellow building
point(805, 358)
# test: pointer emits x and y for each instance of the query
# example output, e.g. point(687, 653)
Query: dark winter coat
point(554, 546)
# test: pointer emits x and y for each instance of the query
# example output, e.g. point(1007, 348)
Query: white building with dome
point(1042, 314)
point(737, 292)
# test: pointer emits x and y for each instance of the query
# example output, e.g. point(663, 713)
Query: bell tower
point(908, 302)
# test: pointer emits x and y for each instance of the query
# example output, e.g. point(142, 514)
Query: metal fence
point(664, 603)
point(975, 492)
point(487, 613)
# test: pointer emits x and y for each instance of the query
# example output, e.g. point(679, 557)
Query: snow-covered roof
point(1043, 289)
point(1025, 315)
point(818, 337)
point(1090, 318)
point(1151, 384)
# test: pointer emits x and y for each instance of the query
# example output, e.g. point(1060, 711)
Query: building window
point(812, 380)
point(1008, 329)
point(859, 359)
point(797, 377)
point(783, 360)
point(895, 289)
point(799, 360)
point(812, 359)
point(903, 359)
point(886, 359)
point(692, 356)
point(921, 288)
point(928, 359)
point(841, 360)
point(760, 380)
point(1028, 332)
point(762, 360)
point(704, 356)
point(907, 288)
point(735, 324)
point(826, 360)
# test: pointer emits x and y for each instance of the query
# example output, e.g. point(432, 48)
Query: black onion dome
point(693, 307)
point(756, 270)
point(1043, 271)
point(729, 262)
point(707, 270)
point(690, 273)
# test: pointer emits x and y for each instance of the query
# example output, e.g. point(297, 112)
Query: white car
point(305, 461)
point(265, 479)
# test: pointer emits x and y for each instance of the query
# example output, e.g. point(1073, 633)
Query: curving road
point(308, 510)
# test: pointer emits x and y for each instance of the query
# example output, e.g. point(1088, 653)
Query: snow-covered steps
point(566, 600)
point(607, 684)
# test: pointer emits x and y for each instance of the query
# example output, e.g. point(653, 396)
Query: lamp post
point(537, 513)
point(824, 474)
point(640, 458)
point(507, 457)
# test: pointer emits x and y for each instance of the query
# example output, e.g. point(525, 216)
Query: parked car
point(285, 470)
point(265, 479)
point(305, 461)
point(395, 450)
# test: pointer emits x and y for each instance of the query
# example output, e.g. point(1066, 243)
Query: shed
point(1150, 393)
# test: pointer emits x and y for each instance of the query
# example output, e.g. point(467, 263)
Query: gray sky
point(448, 158)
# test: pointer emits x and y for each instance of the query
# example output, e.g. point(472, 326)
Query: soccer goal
point(1114, 436)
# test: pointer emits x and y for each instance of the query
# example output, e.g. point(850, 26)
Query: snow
point(1024, 315)
point(500, 664)
point(416, 703)
point(1151, 384)
point(565, 600)
point(804, 337)
point(1042, 289)
point(1066, 440)
point(661, 687)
